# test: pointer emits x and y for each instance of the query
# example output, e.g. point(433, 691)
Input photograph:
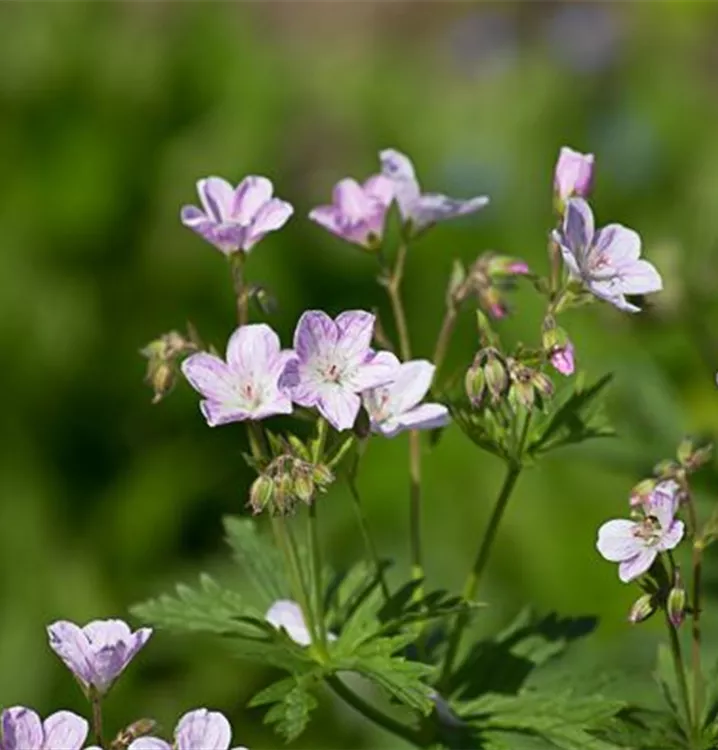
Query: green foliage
point(291, 703)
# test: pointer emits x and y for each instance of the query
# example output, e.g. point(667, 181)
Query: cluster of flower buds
point(488, 375)
point(163, 357)
point(529, 387)
point(286, 481)
point(488, 279)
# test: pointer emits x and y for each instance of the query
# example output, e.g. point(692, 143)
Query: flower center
point(649, 530)
point(378, 404)
point(251, 395)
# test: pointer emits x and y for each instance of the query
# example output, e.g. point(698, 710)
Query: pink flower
point(562, 358)
point(98, 653)
point(636, 544)
point(358, 212)
point(246, 386)
point(573, 175)
point(235, 219)
point(196, 730)
point(23, 730)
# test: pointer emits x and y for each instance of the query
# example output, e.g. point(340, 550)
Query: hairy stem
point(471, 585)
point(364, 527)
point(96, 701)
point(374, 714)
point(680, 670)
point(402, 329)
point(236, 261)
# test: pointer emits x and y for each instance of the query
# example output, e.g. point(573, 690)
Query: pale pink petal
point(191, 216)
point(280, 403)
point(218, 413)
point(149, 743)
point(252, 348)
point(380, 188)
point(338, 406)
point(251, 194)
point(70, 643)
point(567, 254)
point(433, 207)
point(663, 502)
point(671, 536)
point(423, 417)
point(378, 369)
point(273, 215)
point(217, 197)
point(410, 385)
point(65, 731)
point(640, 277)
point(617, 541)
point(21, 729)
point(356, 328)
point(328, 217)
point(349, 198)
point(636, 566)
point(578, 228)
point(399, 169)
point(203, 729)
point(287, 614)
point(210, 376)
point(618, 243)
point(573, 174)
point(315, 333)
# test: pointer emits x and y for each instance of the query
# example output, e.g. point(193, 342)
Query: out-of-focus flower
point(246, 386)
point(573, 175)
point(98, 653)
point(396, 407)
point(196, 730)
point(285, 614)
point(635, 544)
point(235, 219)
point(561, 358)
point(421, 210)
point(605, 261)
point(358, 212)
point(22, 729)
point(335, 364)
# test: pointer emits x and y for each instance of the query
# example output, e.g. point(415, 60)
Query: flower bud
point(457, 287)
point(128, 735)
point(303, 483)
point(573, 176)
point(475, 383)
point(503, 265)
point(666, 469)
point(542, 383)
point(676, 603)
point(641, 492)
point(283, 494)
point(322, 475)
point(642, 609)
point(162, 377)
point(521, 394)
point(496, 375)
point(261, 493)
point(561, 357)
point(692, 458)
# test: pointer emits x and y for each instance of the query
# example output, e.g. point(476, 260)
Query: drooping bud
point(542, 383)
point(521, 394)
point(162, 376)
point(642, 609)
point(284, 494)
point(162, 361)
point(322, 475)
point(303, 484)
point(642, 491)
point(262, 493)
point(475, 383)
point(496, 375)
point(676, 602)
point(573, 176)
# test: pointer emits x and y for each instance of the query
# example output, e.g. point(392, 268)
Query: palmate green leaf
point(293, 701)
point(579, 417)
point(210, 608)
point(644, 729)
point(259, 559)
point(563, 720)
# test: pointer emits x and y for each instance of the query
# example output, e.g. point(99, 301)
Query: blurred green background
point(109, 113)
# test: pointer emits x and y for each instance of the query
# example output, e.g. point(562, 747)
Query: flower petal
point(217, 413)
point(640, 277)
point(251, 349)
point(217, 197)
point(616, 540)
point(271, 216)
point(356, 328)
point(278, 403)
point(573, 174)
point(636, 566)
point(378, 369)
point(399, 169)
point(70, 643)
point(251, 194)
point(349, 198)
point(21, 729)
point(578, 229)
point(672, 536)
point(315, 333)
point(380, 188)
point(210, 376)
point(327, 217)
point(65, 730)
point(287, 614)
point(410, 385)
point(618, 243)
point(423, 417)
point(191, 216)
point(663, 502)
point(339, 406)
point(433, 207)
point(149, 743)
point(208, 730)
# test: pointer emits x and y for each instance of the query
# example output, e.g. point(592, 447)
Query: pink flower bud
point(562, 359)
point(573, 175)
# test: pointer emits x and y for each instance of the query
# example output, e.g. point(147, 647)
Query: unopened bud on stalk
point(692, 458)
point(322, 475)
point(676, 602)
point(521, 394)
point(162, 377)
point(496, 375)
point(261, 493)
point(642, 609)
point(457, 289)
point(667, 469)
point(642, 491)
point(475, 383)
point(542, 383)
point(303, 485)
point(284, 494)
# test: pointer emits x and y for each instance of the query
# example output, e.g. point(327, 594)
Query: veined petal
point(663, 502)
point(252, 348)
point(338, 406)
point(356, 328)
point(210, 376)
point(315, 333)
point(217, 413)
point(251, 194)
point(191, 216)
point(433, 207)
point(672, 536)
point(618, 244)
point(65, 730)
point(616, 540)
point(271, 216)
point(640, 277)
point(217, 197)
point(380, 188)
point(636, 566)
point(410, 385)
point(21, 729)
point(327, 217)
point(423, 417)
point(149, 743)
point(204, 729)
point(349, 198)
point(567, 254)
point(69, 642)
point(378, 369)
point(578, 229)
point(279, 403)
point(399, 169)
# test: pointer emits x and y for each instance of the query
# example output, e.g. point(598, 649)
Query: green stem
point(697, 563)
point(236, 261)
point(374, 714)
point(320, 440)
point(680, 670)
point(444, 338)
point(471, 585)
point(96, 701)
point(315, 573)
point(368, 541)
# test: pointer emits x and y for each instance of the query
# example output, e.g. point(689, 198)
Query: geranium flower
point(235, 219)
point(573, 175)
point(22, 729)
point(196, 730)
point(246, 386)
point(605, 261)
